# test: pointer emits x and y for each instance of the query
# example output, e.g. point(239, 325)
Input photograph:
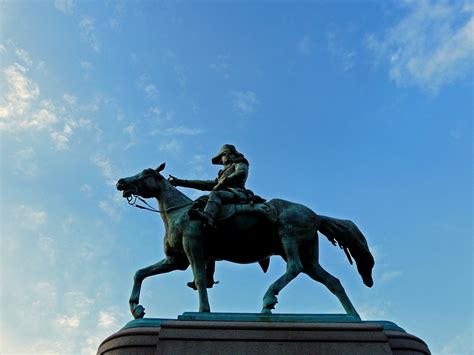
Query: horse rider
point(228, 187)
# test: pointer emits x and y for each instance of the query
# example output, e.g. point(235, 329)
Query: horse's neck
point(170, 198)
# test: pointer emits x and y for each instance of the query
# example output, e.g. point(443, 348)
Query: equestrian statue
point(232, 223)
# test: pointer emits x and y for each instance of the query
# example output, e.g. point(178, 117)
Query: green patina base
point(258, 317)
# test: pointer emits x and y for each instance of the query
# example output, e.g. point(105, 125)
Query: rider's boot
point(209, 214)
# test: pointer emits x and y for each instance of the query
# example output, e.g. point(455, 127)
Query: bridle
point(132, 199)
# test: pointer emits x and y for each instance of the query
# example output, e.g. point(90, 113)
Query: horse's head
point(146, 184)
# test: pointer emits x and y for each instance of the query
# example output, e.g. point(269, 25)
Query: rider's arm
point(203, 185)
point(238, 177)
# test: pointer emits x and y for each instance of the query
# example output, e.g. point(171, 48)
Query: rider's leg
point(213, 206)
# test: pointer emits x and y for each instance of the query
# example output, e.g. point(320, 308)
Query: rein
point(132, 201)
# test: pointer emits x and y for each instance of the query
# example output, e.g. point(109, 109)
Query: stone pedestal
point(217, 333)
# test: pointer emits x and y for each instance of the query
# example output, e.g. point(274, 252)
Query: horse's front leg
point(161, 267)
point(195, 254)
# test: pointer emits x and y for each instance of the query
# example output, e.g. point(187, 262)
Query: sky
point(360, 110)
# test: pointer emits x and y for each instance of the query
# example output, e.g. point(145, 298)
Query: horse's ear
point(160, 168)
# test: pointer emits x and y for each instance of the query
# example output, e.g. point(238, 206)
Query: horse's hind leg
point(293, 268)
point(316, 272)
point(163, 266)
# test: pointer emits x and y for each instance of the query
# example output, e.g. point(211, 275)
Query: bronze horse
point(245, 238)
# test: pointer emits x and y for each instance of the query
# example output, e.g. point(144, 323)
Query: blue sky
point(360, 110)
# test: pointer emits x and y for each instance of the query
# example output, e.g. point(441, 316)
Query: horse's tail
point(352, 241)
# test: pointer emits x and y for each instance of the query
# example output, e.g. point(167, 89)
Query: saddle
point(256, 205)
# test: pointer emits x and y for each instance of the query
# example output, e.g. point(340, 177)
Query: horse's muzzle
point(127, 188)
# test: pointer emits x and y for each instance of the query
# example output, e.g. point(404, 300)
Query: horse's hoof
point(269, 302)
point(138, 311)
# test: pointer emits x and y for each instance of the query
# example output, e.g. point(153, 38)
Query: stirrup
point(203, 217)
point(192, 284)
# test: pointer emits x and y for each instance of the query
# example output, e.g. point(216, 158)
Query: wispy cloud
point(460, 344)
point(388, 276)
point(244, 102)
point(31, 218)
point(144, 84)
point(105, 166)
point(374, 310)
point(432, 46)
point(151, 91)
point(87, 68)
point(118, 11)
point(47, 246)
point(21, 92)
point(66, 6)
point(109, 209)
point(107, 319)
point(61, 138)
point(171, 146)
point(68, 322)
point(25, 162)
point(221, 64)
point(70, 99)
point(24, 57)
point(88, 32)
point(336, 49)
point(181, 130)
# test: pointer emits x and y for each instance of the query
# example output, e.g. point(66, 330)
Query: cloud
point(68, 322)
point(61, 141)
point(105, 166)
point(373, 311)
point(70, 99)
point(107, 320)
point(430, 47)
point(48, 247)
point(87, 68)
point(221, 63)
point(66, 6)
point(40, 119)
point(151, 91)
point(109, 209)
point(22, 91)
point(460, 344)
point(61, 138)
point(172, 146)
point(24, 57)
point(25, 162)
point(117, 13)
point(86, 189)
point(86, 65)
point(87, 31)
point(388, 276)
point(343, 55)
point(244, 102)
point(181, 130)
point(304, 45)
point(32, 218)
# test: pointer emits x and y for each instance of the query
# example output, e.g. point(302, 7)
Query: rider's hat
point(225, 148)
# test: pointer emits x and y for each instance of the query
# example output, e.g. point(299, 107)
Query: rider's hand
point(173, 180)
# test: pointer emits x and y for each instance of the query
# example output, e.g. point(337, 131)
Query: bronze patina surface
point(236, 226)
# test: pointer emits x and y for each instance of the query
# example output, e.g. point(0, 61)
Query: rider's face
point(227, 157)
